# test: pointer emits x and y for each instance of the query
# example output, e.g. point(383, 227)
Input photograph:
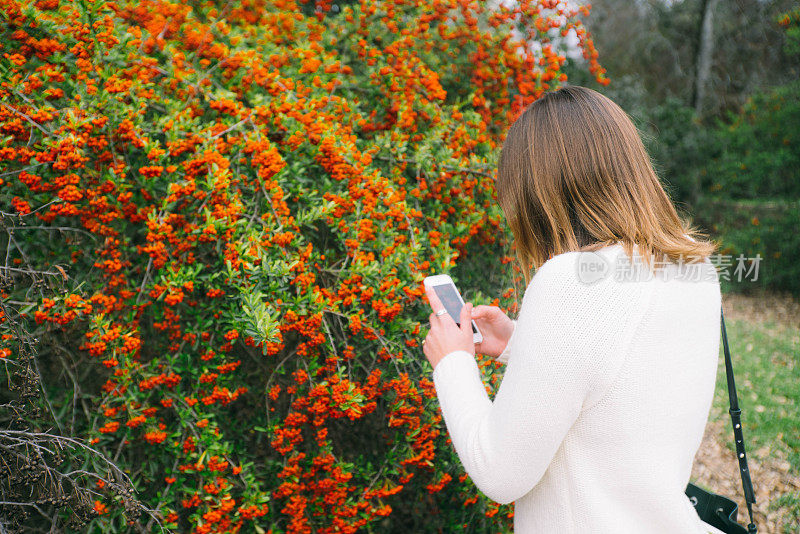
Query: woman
point(612, 360)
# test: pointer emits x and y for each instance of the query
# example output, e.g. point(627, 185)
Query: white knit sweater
point(605, 396)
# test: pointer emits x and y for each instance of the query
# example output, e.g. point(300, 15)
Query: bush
point(677, 143)
point(752, 181)
point(755, 153)
point(756, 229)
point(242, 200)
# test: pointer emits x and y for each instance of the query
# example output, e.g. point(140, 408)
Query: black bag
point(716, 510)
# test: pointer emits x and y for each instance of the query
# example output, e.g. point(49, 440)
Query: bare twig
point(30, 120)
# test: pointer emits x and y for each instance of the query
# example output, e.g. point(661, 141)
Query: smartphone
point(444, 288)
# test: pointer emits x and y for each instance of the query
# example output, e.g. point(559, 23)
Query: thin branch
point(232, 127)
point(448, 167)
point(60, 228)
point(23, 169)
point(29, 271)
point(30, 120)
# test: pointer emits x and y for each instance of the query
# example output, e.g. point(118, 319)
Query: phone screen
point(447, 294)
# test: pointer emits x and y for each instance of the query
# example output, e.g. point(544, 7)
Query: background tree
point(729, 158)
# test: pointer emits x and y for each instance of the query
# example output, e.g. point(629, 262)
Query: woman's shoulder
point(574, 308)
point(581, 285)
point(583, 269)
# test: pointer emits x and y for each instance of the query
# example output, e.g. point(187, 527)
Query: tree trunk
point(705, 52)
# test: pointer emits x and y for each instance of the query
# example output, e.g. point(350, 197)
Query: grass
point(767, 372)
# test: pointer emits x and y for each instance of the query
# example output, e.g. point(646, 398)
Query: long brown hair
point(574, 175)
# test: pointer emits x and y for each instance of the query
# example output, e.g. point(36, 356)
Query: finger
point(439, 321)
point(446, 320)
point(466, 318)
point(485, 312)
point(481, 311)
point(433, 299)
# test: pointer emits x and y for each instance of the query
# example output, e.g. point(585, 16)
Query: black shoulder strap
point(736, 421)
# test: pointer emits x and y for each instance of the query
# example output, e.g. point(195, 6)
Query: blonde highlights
point(574, 175)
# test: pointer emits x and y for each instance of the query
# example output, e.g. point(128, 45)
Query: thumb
point(466, 318)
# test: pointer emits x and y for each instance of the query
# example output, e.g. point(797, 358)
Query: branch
point(448, 167)
point(30, 120)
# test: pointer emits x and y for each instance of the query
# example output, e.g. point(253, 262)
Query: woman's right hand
point(496, 328)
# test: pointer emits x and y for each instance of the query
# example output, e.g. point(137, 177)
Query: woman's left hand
point(445, 336)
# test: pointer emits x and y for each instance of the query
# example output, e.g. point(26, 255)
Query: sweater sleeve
point(558, 362)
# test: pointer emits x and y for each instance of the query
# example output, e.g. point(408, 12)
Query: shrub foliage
point(751, 175)
point(231, 207)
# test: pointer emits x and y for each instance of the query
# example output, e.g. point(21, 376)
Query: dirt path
point(715, 466)
point(780, 309)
